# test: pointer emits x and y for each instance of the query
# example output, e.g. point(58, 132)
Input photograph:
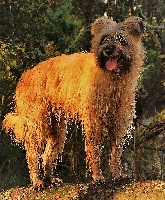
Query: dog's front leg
point(93, 146)
point(115, 157)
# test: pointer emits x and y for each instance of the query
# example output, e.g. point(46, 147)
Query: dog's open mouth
point(112, 63)
point(111, 58)
point(114, 60)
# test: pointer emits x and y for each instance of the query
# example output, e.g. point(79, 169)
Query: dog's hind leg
point(34, 164)
point(54, 146)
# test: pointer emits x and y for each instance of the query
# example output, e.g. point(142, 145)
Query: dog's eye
point(122, 40)
point(104, 39)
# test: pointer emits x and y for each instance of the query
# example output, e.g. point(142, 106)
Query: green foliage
point(13, 166)
point(8, 82)
point(149, 148)
point(118, 10)
point(22, 33)
point(62, 27)
point(33, 31)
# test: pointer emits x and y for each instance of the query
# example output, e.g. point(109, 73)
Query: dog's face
point(113, 42)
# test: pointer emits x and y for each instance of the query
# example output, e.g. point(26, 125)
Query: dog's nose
point(110, 50)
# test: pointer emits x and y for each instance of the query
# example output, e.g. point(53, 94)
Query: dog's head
point(114, 43)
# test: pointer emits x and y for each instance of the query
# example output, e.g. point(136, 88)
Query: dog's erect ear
point(101, 23)
point(136, 25)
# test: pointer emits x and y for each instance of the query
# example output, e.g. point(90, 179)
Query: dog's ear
point(136, 25)
point(101, 23)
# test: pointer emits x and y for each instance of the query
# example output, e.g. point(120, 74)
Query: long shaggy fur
point(80, 87)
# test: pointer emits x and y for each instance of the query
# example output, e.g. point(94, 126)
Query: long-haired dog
point(96, 88)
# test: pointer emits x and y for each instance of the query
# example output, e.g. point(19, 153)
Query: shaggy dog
point(96, 88)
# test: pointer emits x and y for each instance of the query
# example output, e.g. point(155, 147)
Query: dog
point(96, 88)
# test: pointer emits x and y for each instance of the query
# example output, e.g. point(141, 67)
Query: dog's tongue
point(111, 63)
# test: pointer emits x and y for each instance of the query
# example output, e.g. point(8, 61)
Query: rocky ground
point(121, 190)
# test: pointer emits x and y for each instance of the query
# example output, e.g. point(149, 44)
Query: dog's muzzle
point(110, 56)
point(113, 59)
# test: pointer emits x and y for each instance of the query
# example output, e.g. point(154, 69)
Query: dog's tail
point(17, 124)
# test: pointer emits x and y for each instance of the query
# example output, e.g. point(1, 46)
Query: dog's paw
point(122, 179)
point(99, 182)
point(54, 180)
point(98, 179)
point(39, 185)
